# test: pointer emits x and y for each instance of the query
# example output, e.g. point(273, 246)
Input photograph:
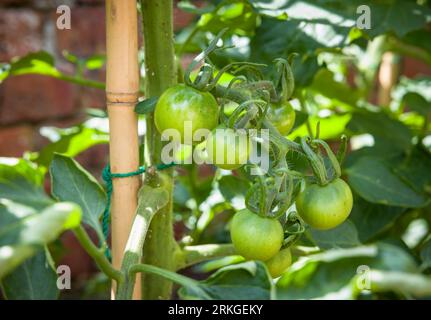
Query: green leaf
point(146, 106)
point(34, 63)
point(187, 6)
point(388, 133)
point(236, 15)
point(373, 180)
point(426, 254)
point(327, 275)
point(21, 181)
point(414, 170)
point(23, 232)
point(325, 84)
point(417, 103)
point(372, 219)
point(95, 62)
point(72, 142)
point(343, 236)
point(408, 90)
point(32, 280)
point(71, 182)
point(244, 281)
point(396, 16)
point(331, 127)
point(420, 38)
point(231, 186)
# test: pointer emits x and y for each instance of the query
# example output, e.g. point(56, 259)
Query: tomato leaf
point(371, 219)
point(373, 179)
point(343, 236)
point(328, 275)
point(231, 186)
point(146, 106)
point(71, 143)
point(32, 280)
point(21, 181)
point(23, 231)
point(71, 182)
point(426, 254)
point(244, 281)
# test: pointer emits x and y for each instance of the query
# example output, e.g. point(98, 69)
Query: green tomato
point(182, 103)
point(255, 237)
point(183, 154)
point(278, 264)
point(282, 117)
point(325, 207)
point(228, 149)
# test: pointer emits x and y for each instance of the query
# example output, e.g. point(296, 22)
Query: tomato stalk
point(160, 70)
point(98, 254)
point(190, 255)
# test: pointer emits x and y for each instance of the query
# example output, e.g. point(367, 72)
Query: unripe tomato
point(255, 237)
point(278, 264)
point(182, 103)
point(228, 149)
point(325, 207)
point(282, 117)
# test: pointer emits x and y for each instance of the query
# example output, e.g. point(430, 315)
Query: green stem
point(82, 81)
point(133, 254)
point(316, 163)
point(194, 254)
point(417, 285)
point(172, 276)
point(98, 255)
point(159, 247)
point(239, 97)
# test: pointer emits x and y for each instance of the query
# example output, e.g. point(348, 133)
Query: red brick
point(52, 4)
point(90, 2)
point(20, 32)
point(15, 140)
point(34, 98)
point(413, 68)
point(181, 19)
point(87, 34)
point(15, 3)
point(92, 98)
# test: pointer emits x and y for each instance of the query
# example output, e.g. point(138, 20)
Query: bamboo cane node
point(122, 98)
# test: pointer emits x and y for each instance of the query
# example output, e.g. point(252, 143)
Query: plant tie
point(107, 176)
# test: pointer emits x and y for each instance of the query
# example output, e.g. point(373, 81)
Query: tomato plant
point(332, 177)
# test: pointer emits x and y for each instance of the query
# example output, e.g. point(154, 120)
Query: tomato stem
point(160, 74)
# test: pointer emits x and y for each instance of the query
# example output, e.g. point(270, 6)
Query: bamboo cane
point(388, 76)
point(122, 85)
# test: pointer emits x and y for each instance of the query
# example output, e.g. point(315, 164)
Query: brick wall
point(30, 101)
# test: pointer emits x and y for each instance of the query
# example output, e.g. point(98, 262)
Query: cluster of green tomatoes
point(263, 230)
